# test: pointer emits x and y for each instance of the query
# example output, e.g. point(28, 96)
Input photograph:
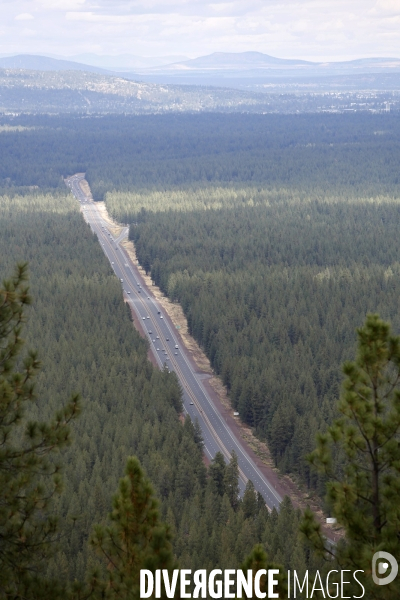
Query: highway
point(168, 351)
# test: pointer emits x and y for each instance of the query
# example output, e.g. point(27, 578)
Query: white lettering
point(146, 575)
point(228, 582)
point(257, 578)
point(170, 588)
point(215, 591)
point(157, 592)
point(243, 584)
point(305, 582)
point(272, 583)
point(184, 583)
point(200, 580)
point(359, 583)
point(334, 585)
point(343, 582)
point(320, 589)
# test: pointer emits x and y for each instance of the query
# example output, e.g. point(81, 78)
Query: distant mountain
point(240, 61)
point(253, 70)
point(213, 69)
point(44, 63)
point(92, 63)
point(124, 62)
point(246, 71)
point(262, 64)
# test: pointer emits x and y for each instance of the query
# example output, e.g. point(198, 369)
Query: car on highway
point(144, 318)
point(176, 346)
point(161, 316)
point(128, 292)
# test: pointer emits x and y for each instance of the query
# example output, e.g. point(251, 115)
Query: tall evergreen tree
point(249, 504)
point(231, 481)
point(135, 540)
point(360, 454)
point(29, 477)
point(217, 471)
point(257, 560)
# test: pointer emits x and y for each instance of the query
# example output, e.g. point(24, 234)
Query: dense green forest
point(306, 152)
point(86, 342)
point(277, 234)
point(273, 291)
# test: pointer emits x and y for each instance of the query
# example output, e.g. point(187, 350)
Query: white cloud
point(28, 33)
point(24, 17)
point(392, 6)
point(61, 4)
point(310, 29)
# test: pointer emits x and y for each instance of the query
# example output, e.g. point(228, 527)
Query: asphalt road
point(197, 403)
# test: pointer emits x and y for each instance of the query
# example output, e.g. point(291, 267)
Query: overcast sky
point(307, 29)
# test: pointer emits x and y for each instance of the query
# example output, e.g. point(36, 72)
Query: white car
point(144, 318)
point(128, 292)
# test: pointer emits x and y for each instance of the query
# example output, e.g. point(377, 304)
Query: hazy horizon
point(332, 31)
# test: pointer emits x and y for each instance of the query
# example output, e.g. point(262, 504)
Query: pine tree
point(360, 454)
point(29, 477)
point(217, 471)
point(249, 503)
point(135, 540)
point(257, 560)
point(231, 481)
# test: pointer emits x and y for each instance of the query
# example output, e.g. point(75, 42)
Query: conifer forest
point(279, 237)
